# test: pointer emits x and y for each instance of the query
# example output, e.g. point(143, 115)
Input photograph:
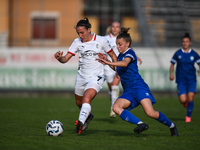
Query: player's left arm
point(108, 49)
point(198, 70)
point(103, 57)
point(113, 56)
point(138, 58)
point(197, 57)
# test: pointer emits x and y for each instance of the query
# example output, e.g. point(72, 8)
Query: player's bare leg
point(114, 94)
point(89, 94)
point(184, 100)
point(150, 112)
point(110, 93)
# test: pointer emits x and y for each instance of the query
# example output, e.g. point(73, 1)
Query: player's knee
point(190, 98)
point(87, 98)
point(151, 114)
point(183, 98)
point(116, 109)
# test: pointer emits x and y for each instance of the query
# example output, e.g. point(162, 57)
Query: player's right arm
point(173, 62)
point(62, 59)
point(71, 52)
point(171, 75)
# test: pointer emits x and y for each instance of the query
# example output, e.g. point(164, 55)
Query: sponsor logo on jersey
point(89, 53)
point(192, 58)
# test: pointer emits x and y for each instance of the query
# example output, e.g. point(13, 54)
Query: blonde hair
point(108, 30)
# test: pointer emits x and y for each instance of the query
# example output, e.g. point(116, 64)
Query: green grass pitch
point(23, 120)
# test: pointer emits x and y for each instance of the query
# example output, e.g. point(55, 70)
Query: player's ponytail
point(83, 22)
point(124, 30)
point(187, 35)
point(125, 35)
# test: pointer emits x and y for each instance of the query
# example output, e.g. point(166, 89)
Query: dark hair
point(125, 35)
point(83, 22)
point(187, 35)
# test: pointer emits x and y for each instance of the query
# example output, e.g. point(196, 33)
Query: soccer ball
point(54, 128)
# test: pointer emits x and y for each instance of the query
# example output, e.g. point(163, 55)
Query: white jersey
point(112, 41)
point(88, 52)
point(108, 72)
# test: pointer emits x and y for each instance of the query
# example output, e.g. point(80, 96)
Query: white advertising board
point(37, 69)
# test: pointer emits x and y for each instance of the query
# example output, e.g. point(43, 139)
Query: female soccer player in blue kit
point(136, 91)
point(185, 74)
point(112, 79)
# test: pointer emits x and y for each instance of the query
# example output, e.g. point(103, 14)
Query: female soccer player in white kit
point(108, 72)
point(90, 75)
point(112, 79)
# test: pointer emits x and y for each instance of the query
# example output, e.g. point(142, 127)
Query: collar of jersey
point(126, 51)
point(93, 38)
point(187, 52)
point(111, 36)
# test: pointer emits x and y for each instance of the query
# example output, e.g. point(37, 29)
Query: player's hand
point(102, 61)
point(171, 77)
point(102, 56)
point(140, 60)
point(198, 72)
point(58, 55)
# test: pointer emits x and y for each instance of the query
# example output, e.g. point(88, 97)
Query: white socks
point(114, 94)
point(84, 113)
point(172, 125)
point(140, 122)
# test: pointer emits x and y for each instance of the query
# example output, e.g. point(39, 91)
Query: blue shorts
point(136, 95)
point(184, 87)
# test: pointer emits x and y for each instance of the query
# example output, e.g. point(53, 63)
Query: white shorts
point(109, 74)
point(82, 84)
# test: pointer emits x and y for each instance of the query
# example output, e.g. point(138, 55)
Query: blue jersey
point(185, 69)
point(130, 77)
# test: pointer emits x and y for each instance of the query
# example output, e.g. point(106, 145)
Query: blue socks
point(164, 120)
point(129, 117)
point(190, 108)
